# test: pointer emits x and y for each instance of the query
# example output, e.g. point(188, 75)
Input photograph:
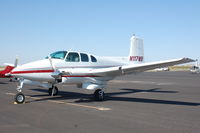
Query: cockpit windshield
point(58, 55)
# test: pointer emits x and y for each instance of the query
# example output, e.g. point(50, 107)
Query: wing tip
point(187, 60)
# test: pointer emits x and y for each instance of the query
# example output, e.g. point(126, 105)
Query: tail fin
point(136, 54)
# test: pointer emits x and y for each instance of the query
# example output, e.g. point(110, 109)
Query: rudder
point(136, 54)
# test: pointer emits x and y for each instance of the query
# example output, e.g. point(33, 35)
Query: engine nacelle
point(91, 86)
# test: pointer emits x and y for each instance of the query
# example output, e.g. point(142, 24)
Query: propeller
point(56, 74)
point(52, 64)
point(11, 66)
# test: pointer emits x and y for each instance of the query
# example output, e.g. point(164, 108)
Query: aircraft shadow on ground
point(112, 96)
point(3, 83)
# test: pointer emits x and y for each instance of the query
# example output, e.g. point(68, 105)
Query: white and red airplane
point(85, 70)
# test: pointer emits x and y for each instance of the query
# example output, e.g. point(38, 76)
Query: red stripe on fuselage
point(32, 71)
point(80, 76)
point(49, 71)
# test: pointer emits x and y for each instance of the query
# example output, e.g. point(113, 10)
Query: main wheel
point(99, 95)
point(53, 91)
point(19, 98)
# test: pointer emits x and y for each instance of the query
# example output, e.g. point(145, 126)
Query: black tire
point(55, 91)
point(99, 95)
point(19, 98)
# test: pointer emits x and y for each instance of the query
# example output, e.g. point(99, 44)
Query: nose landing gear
point(19, 97)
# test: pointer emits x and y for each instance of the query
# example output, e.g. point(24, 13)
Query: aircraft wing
point(134, 68)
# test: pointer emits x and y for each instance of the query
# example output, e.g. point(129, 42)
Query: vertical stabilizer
point(136, 54)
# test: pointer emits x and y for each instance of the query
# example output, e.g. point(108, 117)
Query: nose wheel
point(19, 98)
point(99, 95)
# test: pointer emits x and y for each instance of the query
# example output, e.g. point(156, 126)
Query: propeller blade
point(52, 64)
point(56, 74)
point(16, 62)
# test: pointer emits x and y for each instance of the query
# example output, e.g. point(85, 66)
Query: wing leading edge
point(128, 69)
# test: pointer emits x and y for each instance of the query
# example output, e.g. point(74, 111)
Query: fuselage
point(74, 62)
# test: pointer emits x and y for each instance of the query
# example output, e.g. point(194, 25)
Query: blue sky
point(31, 29)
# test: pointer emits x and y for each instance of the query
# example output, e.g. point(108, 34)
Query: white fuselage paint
point(42, 70)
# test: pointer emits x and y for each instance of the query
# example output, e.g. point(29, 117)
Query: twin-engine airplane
point(85, 70)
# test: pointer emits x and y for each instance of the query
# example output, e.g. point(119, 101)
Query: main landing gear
point(99, 95)
point(53, 91)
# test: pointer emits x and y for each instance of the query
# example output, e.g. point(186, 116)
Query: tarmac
point(150, 102)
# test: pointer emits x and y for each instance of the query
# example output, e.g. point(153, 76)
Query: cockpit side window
point(58, 55)
point(73, 57)
point(84, 57)
point(93, 59)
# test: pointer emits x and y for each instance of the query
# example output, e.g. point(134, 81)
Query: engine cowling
point(91, 86)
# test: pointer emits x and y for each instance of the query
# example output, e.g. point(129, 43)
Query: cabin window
point(58, 55)
point(84, 57)
point(93, 59)
point(73, 57)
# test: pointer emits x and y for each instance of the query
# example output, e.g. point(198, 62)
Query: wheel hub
point(20, 98)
